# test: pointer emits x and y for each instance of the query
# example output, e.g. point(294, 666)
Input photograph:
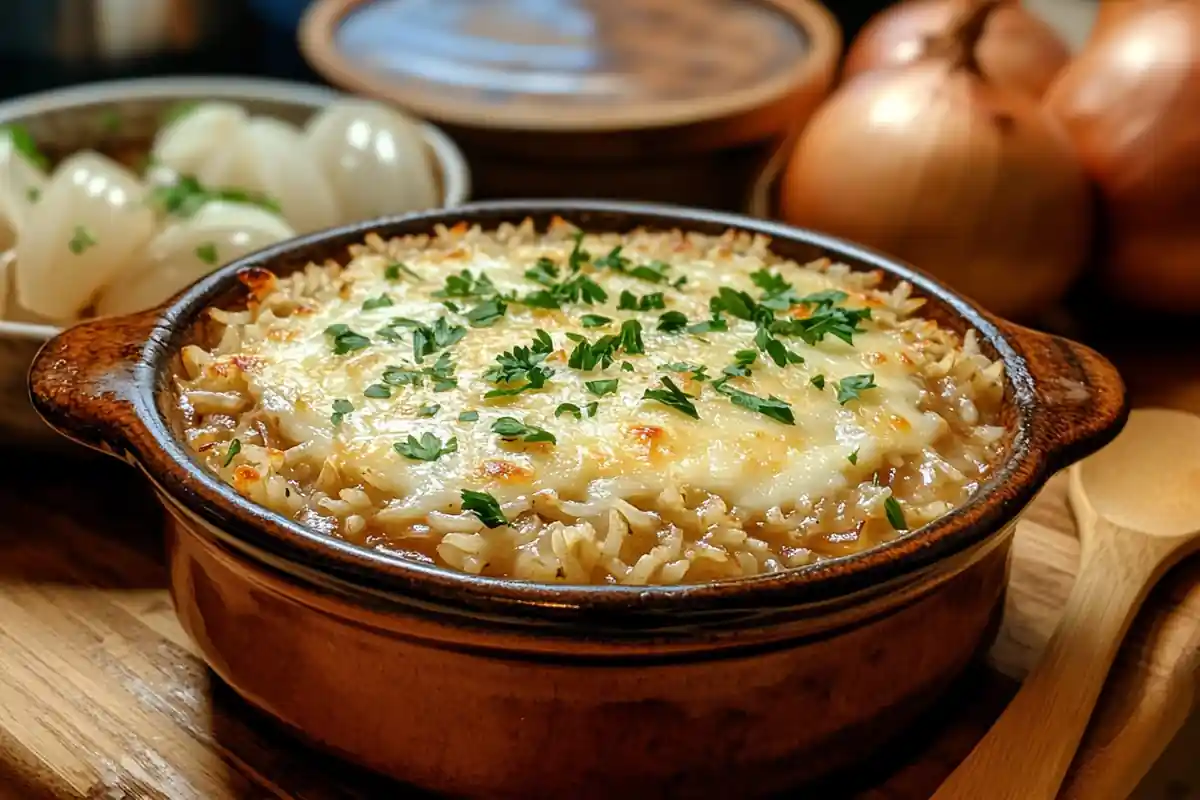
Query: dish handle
point(1081, 400)
point(82, 381)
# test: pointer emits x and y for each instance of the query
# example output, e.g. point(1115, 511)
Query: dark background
point(256, 38)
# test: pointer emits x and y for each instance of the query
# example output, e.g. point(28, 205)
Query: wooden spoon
point(1137, 504)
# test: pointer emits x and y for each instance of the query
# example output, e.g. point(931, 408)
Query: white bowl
point(65, 120)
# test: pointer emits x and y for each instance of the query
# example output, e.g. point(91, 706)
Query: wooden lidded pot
point(681, 102)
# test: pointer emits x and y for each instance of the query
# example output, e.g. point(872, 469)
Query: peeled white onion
point(268, 156)
point(374, 158)
point(20, 182)
point(184, 252)
point(88, 227)
point(186, 144)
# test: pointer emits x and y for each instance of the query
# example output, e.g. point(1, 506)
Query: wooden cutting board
point(102, 697)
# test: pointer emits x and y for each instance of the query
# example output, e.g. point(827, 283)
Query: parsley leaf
point(465, 284)
point(614, 260)
point(187, 196)
point(829, 297)
point(485, 507)
point(673, 397)
point(235, 447)
point(818, 381)
point(601, 388)
point(568, 408)
point(377, 391)
point(544, 272)
point(672, 322)
point(207, 253)
point(654, 272)
point(428, 411)
point(740, 368)
point(24, 143)
point(775, 349)
point(511, 429)
point(840, 322)
point(487, 313)
point(853, 457)
point(468, 416)
point(393, 271)
point(630, 338)
point(521, 364)
point(895, 514)
point(698, 373)
point(81, 239)
point(341, 407)
point(345, 340)
point(595, 321)
point(427, 448)
point(372, 303)
point(850, 387)
point(578, 256)
point(773, 407)
point(586, 355)
point(716, 323)
point(590, 408)
point(427, 340)
point(626, 366)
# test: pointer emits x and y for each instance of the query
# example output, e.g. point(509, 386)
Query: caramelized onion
point(1017, 50)
point(1130, 102)
point(939, 166)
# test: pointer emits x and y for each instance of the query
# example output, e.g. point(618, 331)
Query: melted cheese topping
point(630, 447)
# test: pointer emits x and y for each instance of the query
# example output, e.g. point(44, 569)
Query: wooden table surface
point(102, 696)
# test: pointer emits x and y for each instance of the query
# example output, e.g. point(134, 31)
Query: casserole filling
point(650, 407)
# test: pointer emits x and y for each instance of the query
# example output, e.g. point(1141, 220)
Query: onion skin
point(1018, 49)
point(1130, 104)
point(960, 178)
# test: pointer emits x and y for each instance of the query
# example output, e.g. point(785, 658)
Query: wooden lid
point(573, 65)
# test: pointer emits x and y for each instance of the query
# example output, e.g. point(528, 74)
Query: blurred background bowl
point(63, 121)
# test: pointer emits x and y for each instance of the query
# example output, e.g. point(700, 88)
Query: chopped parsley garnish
point(23, 142)
point(377, 391)
point(428, 411)
point(601, 388)
point(776, 349)
point(33, 194)
point(576, 289)
point(586, 355)
point(442, 374)
point(829, 297)
point(628, 301)
point(207, 253)
point(591, 408)
point(578, 256)
point(81, 240)
point(485, 507)
point(741, 305)
point(673, 397)
point(817, 381)
point(522, 366)
point(826, 320)
point(235, 447)
point(740, 368)
point(427, 448)
point(672, 322)
point(465, 284)
point(895, 514)
point(630, 338)
point(389, 334)
point(853, 457)
point(773, 407)
point(187, 196)
point(614, 260)
point(568, 408)
point(345, 340)
point(626, 366)
point(544, 272)
point(716, 324)
point(850, 387)
point(512, 429)
point(595, 321)
point(372, 303)
point(468, 416)
point(487, 313)
point(654, 272)
point(394, 270)
point(429, 339)
point(341, 407)
point(698, 372)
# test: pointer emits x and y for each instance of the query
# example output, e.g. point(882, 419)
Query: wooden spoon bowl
point(1137, 504)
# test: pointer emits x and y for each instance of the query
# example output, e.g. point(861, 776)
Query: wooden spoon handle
point(1026, 754)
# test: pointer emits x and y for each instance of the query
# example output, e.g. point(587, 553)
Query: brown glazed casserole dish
point(487, 687)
